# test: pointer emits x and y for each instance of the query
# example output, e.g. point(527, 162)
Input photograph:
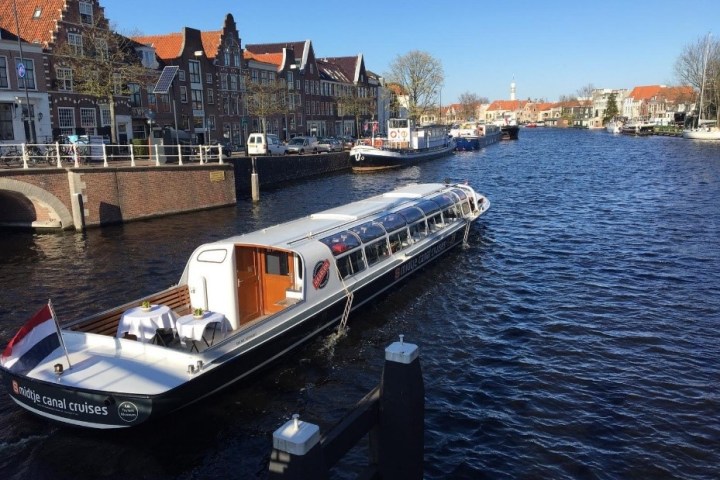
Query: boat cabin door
point(247, 266)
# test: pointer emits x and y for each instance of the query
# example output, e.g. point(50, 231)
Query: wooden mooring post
point(392, 414)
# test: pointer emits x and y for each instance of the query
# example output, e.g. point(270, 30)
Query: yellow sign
point(217, 176)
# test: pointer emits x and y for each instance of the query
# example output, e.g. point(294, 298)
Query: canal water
point(576, 337)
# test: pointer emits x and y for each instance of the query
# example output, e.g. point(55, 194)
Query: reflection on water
point(571, 339)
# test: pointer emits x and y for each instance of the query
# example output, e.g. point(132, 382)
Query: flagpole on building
point(57, 327)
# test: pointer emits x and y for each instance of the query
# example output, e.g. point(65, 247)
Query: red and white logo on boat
point(321, 274)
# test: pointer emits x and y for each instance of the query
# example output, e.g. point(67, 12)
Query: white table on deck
point(190, 327)
point(144, 324)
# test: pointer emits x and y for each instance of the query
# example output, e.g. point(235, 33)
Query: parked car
point(301, 145)
point(347, 142)
point(329, 144)
point(265, 144)
point(227, 147)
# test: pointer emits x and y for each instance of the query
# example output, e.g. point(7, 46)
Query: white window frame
point(86, 12)
point(66, 120)
point(64, 79)
point(75, 41)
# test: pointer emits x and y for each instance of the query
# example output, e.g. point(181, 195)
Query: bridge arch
point(23, 205)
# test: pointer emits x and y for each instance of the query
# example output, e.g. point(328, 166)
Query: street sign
point(21, 70)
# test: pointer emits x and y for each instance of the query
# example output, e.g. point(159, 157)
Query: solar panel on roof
point(166, 78)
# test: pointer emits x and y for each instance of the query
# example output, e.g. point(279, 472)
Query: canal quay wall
point(94, 196)
point(273, 172)
point(79, 198)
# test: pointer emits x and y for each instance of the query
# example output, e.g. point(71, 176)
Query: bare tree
point(356, 106)
point(102, 65)
point(586, 91)
point(421, 77)
point(470, 104)
point(701, 60)
point(266, 99)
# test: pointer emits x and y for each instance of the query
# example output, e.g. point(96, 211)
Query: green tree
point(420, 77)
point(611, 110)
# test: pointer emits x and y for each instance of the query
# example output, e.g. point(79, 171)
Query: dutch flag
point(32, 343)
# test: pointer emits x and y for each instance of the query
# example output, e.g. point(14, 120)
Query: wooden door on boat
point(247, 262)
point(277, 275)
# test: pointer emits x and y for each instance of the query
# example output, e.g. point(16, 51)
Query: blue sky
point(551, 48)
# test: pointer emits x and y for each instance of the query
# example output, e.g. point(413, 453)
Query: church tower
point(512, 89)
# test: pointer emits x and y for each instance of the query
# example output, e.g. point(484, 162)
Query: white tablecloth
point(190, 327)
point(144, 324)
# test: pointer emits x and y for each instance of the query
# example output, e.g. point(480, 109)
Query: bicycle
point(67, 153)
point(10, 155)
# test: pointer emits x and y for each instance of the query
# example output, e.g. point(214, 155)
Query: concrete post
point(297, 453)
point(255, 183)
point(78, 212)
point(402, 414)
point(104, 150)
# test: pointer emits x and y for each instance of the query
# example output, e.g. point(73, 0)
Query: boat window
point(212, 256)
point(399, 240)
point(411, 214)
point(341, 242)
point(376, 251)
point(435, 223)
point(462, 201)
point(392, 222)
point(428, 206)
point(351, 263)
point(276, 263)
point(418, 230)
point(368, 231)
point(444, 200)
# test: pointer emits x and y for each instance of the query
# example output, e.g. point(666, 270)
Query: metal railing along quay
point(65, 155)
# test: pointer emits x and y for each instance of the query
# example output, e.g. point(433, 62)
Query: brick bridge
point(75, 198)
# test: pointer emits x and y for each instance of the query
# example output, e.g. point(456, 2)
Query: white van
point(268, 144)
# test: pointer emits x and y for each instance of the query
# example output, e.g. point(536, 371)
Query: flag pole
point(59, 333)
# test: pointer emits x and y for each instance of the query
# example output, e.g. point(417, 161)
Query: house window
point(6, 121)
point(181, 75)
point(194, 70)
point(197, 99)
point(29, 79)
point(211, 96)
point(66, 120)
point(183, 94)
point(226, 57)
point(3, 73)
point(135, 100)
point(233, 83)
point(64, 79)
point(87, 120)
point(211, 122)
point(223, 81)
point(76, 43)
point(208, 78)
point(290, 81)
point(236, 58)
point(104, 115)
point(86, 12)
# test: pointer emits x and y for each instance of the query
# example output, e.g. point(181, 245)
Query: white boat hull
point(702, 134)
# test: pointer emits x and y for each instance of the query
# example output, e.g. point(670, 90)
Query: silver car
point(301, 145)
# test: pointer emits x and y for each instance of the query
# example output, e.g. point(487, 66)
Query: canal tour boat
point(406, 144)
point(240, 304)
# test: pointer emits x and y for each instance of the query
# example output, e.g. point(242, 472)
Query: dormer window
point(86, 12)
point(37, 12)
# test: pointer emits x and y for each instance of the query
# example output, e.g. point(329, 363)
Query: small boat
point(474, 136)
point(405, 145)
point(638, 128)
point(240, 304)
point(509, 129)
point(614, 125)
point(704, 129)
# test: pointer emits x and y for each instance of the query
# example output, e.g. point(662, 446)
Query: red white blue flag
point(32, 343)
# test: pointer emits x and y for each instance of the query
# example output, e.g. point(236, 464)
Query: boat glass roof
point(368, 231)
point(341, 242)
point(392, 222)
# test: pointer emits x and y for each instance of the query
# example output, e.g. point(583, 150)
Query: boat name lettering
point(58, 403)
point(421, 259)
point(320, 274)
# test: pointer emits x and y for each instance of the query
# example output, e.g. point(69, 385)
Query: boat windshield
point(460, 193)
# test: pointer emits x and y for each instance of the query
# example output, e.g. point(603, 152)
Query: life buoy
point(393, 134)
point(404, 133)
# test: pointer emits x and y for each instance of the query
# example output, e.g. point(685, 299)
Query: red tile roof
point(33, 30)
point(167, 46)
point(645, 92)
point(272, 58)
point(507, 105)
